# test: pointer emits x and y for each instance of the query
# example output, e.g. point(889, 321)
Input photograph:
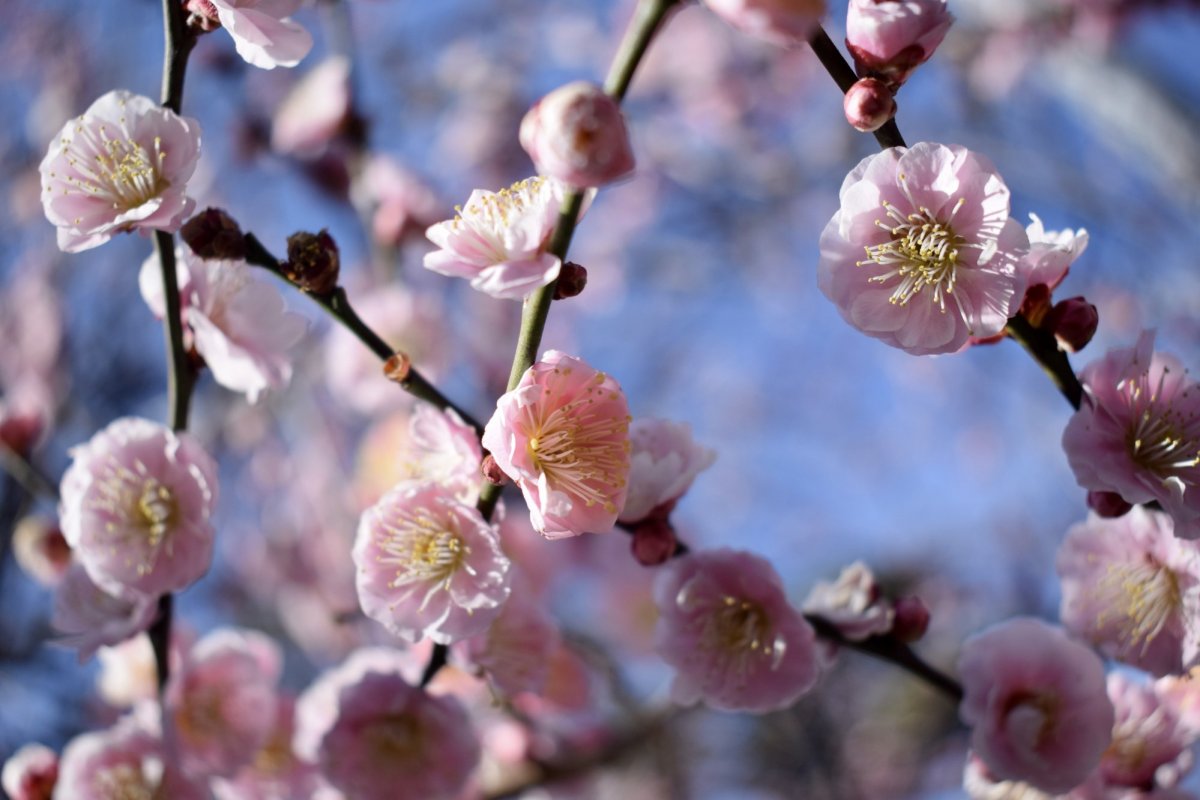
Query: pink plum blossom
point(1132, 589)
point(1036, 703)
point(124, 164)
point(128, 672)
point(727, 629)
point(237, 322)
point(442, 448)
point(852, 603)
point(1150, 744)
point(314, 111)
point(222, 701)
point(980, 784)
point(136, 507)
point(662, 465)
point(498, 239)
point(1137, 432)
point(403, 201)
point(577, 134)
point(263, 32)
point(784, 22)
point(92, 618)
point(922, 253)
point(429, 565)
point(1051, 253)
point(563, 436)
point(275, 772)
point(514, 652)
point(891, 38)
point(30, 773)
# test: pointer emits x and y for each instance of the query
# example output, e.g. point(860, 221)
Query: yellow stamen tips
point(143, 507)
point(124, 782)
point(922, 253)
point(1142, 599)
point(740, 631)
point(422, 549)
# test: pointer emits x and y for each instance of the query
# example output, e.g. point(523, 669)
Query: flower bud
point(20, 430)
point(578, 135)
point(492, 472)
point(1107, 504)
point(890, 39)
point(868, 105)
point(783, 22)
point(910, 620)
point(653, 542)
point(572, 278)
point(202, 15)
point(31, 773)
point(1073, 322)
point(214, 234)
point(312, 262)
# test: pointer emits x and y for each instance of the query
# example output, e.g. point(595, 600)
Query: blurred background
point(944, 474)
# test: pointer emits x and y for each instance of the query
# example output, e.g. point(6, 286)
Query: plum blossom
point(41, 550)
point(92, 618)
point(662, 465)
point(498, 239)
point(275, 771)
point(1137, 432)
point(577, 134)
point(891, 38)
point(1036, 703)
point(442, 448)
point(263, 32)
point(727, 629)
point(222, 701)
point(237, 322)
point(783, 22)
point(562, 434)
point(123, 164)
point(1150, 744)
point(941, 252)
point(315, 110)
point(30, 773)
point(852, 603)
point(514, 652)
point(980, 784)
point(128, 672)
point(1132, 589)
point(403, 202)
point(1051, 253)
point(136, 507)
point(429, 565)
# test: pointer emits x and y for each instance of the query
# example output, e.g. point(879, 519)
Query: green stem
point(647, 19)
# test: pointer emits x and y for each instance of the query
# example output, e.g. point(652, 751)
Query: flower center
point(120, 170)
point(422, 550)
point(741, 632)
point(921, 254)
point(1031, 717)
point(123, 782)
point(1161, 440)
point(394, 739)
point(1143, 598)
point(156, 510)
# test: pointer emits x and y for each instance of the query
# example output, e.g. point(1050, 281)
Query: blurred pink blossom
point(891, 38)
point(263, 32)
point(136, 507)
point(314, 111)
point(785, 22)
point(563, 436)
point(30, 773)
point(91, 617)
point(442, 448)
point(128, 672)
point(577, 134)
point(1137, 432)
point(662, 465)
point(514, 652)
point(1150, 744)
point(941, 250)
point(403, 202)
point(727, 629)
point(40, 550)
point(124, 164)
point(275, 772)
point(1036, 703)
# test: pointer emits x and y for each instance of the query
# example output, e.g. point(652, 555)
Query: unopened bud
point(578, 135)
point(653, 542)
point(868, 105)
point(202, 15)
point(214, 234)
point(1108, 504)
point(41, 550)
point(910, 619)
point(1036, 304)
point(1073, 322)
point(572, 278)
point(397, 367)
point(20, 430)
point(492, 472)
point(312, 262)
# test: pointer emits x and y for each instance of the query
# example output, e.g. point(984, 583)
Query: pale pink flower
point(30, 773)
point(429, 565)
point(443, 449)
point(403, 202)
point(1037, 704)
point(726, 627)
point(40, 550)
point(514, 652)
point(852, 603)
point(498, 239)
point(892, 37)
point(315, 111)
point(1150, 744)
point(785, 22)
point(91, 618)
point(136, 507)
point(263, 32)
point(563, 436)
point(1051, 253)
point(922, 253)
point(237, 321)
point(222, 701)
point(275, 772)
point(578, 135)
point(1132, 589)
point(124, 164)
point(388, 740)
point(662, 465)
point(1137, 432)
point(128, 672)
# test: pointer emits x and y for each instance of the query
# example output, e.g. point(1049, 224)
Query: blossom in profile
point(727, 629)
point(497, 240)
point(429, 565)
point(783, 22)
point(1051, 253)
point(315, 111)
point(136, 507)
point(123, 164)
point(90, 617)
point(852, 603)
point(980, 784)
point(890, 38)
point(1137, 432)
point(1132, 589)
point(30, 773)
point(403, 201)
point(577, 134)
point(237, 322)
point(563, 436)
point(263, 32)
point(1036, 703)
point(442, 448)
point(922, 253)
point(663, 462)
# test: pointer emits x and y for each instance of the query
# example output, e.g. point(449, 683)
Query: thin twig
point(843, 74)
point(24, 472)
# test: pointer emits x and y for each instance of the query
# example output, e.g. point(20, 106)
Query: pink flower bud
point(911, 619)
point(653, 542)
point(313, 263)
point(1108, 504)
point(782, 22)
point(492, 472)
point(889, 39)
point(214, 234)
point(577, 134)
point(202, 15)
point(31, 772)
point(20, 430)
point(1073, 322)
point(869, 104)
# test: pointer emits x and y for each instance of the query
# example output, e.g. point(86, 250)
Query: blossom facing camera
point(578, 135)
point(497, 240)
point(783, 22)
point(1037, 704)
point(1137, 432)
point(429, 565)
point(922, 253)
point(726, 627)
point(136, 507)
point(562, 435)
point(123, 165)
point(890, 39)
